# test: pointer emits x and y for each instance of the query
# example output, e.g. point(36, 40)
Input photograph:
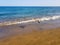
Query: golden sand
point(45, 37)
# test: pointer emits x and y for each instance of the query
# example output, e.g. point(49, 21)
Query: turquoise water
point(11, 13)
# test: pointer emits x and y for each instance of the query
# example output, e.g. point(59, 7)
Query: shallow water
point(13, 13)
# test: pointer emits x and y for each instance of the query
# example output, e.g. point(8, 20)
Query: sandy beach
point(34, 33)
point(45, 37)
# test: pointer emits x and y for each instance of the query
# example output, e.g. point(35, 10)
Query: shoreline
point(27, 27)
point(28, 21)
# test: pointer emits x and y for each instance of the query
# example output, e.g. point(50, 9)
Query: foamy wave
point(32, 20)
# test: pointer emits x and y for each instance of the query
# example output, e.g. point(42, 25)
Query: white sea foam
point(32, 20)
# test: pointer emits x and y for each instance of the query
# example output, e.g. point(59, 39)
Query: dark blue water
point(10, 13)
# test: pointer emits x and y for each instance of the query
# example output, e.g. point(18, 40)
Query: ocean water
point(21, 13)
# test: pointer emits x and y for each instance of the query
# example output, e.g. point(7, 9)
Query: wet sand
point(43, 33)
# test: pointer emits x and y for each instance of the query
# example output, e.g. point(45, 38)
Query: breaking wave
point(31, 20)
